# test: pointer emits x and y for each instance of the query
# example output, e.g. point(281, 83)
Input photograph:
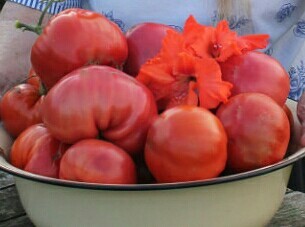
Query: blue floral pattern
point(111, 17)
point(234, 21)
point(285, 12)
point(299, 30)
point(297, 80)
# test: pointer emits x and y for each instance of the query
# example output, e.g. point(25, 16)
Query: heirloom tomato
point(97, 161)
point(100, 101)
point(75, 38)
point(144, 42)
point(257, 72)
point(186, 143)
point(21, 107)
point(258, 131)
point(35, 150)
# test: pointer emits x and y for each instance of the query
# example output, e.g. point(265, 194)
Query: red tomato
point(144, 42)
point(21, 108)
point(74, 38)
point(186, 143)
point(36, 151)
point(100, 101)
point(257, 72)
point(258, 131)
point(33, 79)
point(97, 161)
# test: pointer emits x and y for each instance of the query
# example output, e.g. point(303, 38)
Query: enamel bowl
point(246, 199)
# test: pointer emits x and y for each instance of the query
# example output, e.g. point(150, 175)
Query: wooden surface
point(290, 214)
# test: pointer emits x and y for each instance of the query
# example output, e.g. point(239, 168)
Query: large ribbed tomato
point(75, 38)
point(100, 101)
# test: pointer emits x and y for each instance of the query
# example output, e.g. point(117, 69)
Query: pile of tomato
point(150, 105)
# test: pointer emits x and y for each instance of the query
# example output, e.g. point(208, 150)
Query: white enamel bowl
point(246, 199)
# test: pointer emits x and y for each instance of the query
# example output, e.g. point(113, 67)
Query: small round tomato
point(257, 72)
point(97, 161)
point(144, 42)
point(258, 131)
point(35, 150)
point(21, 108)
point(186, 143)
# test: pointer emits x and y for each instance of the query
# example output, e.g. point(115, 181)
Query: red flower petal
point(212, 89)
point(172, 45)
point(253, 42)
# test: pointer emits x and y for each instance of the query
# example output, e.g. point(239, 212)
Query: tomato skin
point(144, 42)
point(186, 143)
point(75, 38)
point(35, 150)
point(97, 100)
point(97, 161)
point(258, 131)
point(257, 72)
point(21, 108)
point(33, 79)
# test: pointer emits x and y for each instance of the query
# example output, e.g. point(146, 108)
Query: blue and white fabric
point(54, 9)
point(283, 20)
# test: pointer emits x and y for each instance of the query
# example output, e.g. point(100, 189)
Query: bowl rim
point(289, 160)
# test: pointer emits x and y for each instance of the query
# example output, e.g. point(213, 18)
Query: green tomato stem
point(25, 27)
point(36, 28)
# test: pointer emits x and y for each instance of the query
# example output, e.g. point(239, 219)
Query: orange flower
point(186, 70)
point(220, 43)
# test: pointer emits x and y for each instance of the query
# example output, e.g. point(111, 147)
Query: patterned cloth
point(55, 8)
point(283, 20)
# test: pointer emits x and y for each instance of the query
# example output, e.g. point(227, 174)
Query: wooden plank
point(21, 221)
point(291, 212)
point(5, 180)
point(10, 204)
